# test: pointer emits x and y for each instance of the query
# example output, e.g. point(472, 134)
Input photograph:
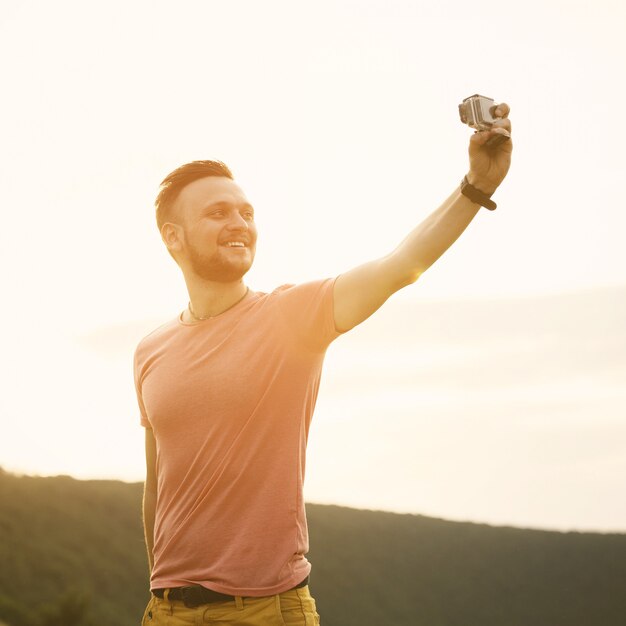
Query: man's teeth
point(235, 243)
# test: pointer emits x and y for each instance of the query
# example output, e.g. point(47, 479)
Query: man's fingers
point(496, 139)
point(480, 138)
point(502, 123)
point(502, 110)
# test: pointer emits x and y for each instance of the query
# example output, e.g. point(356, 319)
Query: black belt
point(196, 595)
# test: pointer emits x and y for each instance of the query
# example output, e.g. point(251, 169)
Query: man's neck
point(211, 299)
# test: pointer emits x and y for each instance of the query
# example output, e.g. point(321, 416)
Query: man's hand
point(490, 164)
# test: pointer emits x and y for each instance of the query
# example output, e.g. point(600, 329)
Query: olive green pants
point(291, 608)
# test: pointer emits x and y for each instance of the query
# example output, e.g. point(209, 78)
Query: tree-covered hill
point(72, 554)
point(63, 537)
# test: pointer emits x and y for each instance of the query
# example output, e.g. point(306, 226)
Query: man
point(227, 389)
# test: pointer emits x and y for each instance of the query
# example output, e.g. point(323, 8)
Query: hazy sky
point(340, 121)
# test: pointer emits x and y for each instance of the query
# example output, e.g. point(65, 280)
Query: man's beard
point(217, 268)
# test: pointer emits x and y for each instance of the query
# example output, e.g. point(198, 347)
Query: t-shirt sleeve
point(307, 311)
point(144, 421)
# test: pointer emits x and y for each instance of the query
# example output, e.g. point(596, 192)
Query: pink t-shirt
point(230, 401)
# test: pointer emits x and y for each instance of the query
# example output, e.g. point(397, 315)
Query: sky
point(340, 121)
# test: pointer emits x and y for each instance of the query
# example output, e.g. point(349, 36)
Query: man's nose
point(237, 222)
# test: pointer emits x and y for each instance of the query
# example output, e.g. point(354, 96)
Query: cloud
point(118, 340)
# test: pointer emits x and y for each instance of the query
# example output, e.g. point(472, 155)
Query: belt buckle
point(192, 596)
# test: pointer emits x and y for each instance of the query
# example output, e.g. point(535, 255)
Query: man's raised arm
point(362, 290)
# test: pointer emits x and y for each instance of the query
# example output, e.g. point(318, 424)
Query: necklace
point(208, 317)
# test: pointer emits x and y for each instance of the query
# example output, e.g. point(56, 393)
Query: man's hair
point(173, 184)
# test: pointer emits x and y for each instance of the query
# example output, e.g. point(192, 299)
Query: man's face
point(219, 230)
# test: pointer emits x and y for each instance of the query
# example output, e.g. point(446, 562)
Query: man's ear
point(172, 236)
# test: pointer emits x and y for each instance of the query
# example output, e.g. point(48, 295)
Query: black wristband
point(477, 196)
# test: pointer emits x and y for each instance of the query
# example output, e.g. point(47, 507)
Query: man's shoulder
point(309, 286)
point(157, 336)
point(310, 296)
point(282, 288)
point(276, 294)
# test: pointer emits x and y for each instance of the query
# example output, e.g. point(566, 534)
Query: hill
point(72, 554)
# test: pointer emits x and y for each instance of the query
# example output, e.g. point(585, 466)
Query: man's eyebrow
point(225, 203)
point(215, 204)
